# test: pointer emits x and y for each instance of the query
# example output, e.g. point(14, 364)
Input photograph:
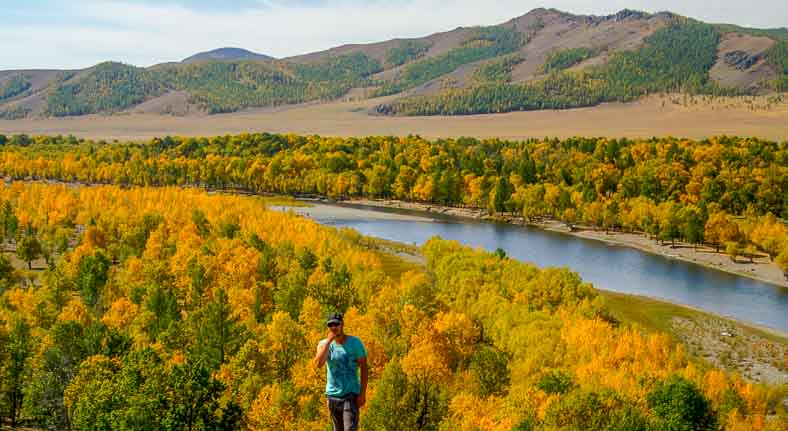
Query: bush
point(555, 382)
point(490, 371)
point(592, 411)
point(678, 405)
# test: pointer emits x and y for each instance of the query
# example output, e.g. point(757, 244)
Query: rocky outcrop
point(741, 60)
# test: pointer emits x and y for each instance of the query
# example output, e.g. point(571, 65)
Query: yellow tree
point(720, 229)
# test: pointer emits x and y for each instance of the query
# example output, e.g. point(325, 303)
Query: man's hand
point(361, 399)
point(322, 350)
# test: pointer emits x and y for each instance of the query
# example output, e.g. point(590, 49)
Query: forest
point(676, 58)
point(14, 87)
point(107, 87)
point(778, 56)
point(165, 308)
point(566, 58)
point(481, 44)
point(406, 52)
point(498, 69)
point(726, 192)
point(213, 86)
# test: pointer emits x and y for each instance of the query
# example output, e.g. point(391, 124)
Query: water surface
point(607, 266)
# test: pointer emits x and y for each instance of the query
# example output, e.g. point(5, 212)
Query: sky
point(74, 34)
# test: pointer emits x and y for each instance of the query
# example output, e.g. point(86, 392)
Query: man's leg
point(350, 415)
point(336, 411)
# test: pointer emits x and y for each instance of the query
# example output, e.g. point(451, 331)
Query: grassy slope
point(656, 315)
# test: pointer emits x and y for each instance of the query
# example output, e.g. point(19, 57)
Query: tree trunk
point(14, 407)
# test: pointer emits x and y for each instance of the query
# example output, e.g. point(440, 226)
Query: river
point(610, 267)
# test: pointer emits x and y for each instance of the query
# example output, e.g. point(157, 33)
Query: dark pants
point(344, 413)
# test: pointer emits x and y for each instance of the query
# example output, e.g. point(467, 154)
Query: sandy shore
point(323, 212)
point(761, 269)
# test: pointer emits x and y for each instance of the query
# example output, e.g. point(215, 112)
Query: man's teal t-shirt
point(342, 367)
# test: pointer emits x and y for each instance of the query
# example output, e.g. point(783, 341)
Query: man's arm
point(322, 353)
point(362, 363)
point(362, 397)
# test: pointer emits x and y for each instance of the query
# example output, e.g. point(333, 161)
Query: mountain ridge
point(470, 66)
point(227, 53)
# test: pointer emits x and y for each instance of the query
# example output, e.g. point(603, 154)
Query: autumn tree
point(594, 411)
point(782, 261)
point(201, 222)
point(72, 343)
point(286, 344)
point(489, 368)
point(10, 222)
point(677, 404)
point(143, 391)
point(769, 235)
point(499, 196)
point(92, 275)
point(162, 306)
point(6, 273)
point(16, 371)
point(198, 281)
point(402, 403)
point(196, 403)
point(733, 249)
point(720, 229)
point(28, 249)
point(220, 333)
point(691, 224)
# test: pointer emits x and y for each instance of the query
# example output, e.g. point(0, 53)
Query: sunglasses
point(331, 325)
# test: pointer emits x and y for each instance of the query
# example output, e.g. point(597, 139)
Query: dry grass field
point(667, 115)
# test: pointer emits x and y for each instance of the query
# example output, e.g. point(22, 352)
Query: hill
point(545, 59)
point(225, 54)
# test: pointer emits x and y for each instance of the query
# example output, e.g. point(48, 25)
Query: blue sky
point(81, 33)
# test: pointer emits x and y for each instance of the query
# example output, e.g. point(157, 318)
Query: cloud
point(145, 32)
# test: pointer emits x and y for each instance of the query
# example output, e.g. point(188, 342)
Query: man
point(343, 355)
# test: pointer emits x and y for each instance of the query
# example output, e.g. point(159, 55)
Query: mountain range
point(545, 59)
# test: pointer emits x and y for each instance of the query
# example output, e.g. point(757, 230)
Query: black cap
point(334, 318)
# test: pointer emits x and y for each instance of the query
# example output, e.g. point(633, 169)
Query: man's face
point(335, 328)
